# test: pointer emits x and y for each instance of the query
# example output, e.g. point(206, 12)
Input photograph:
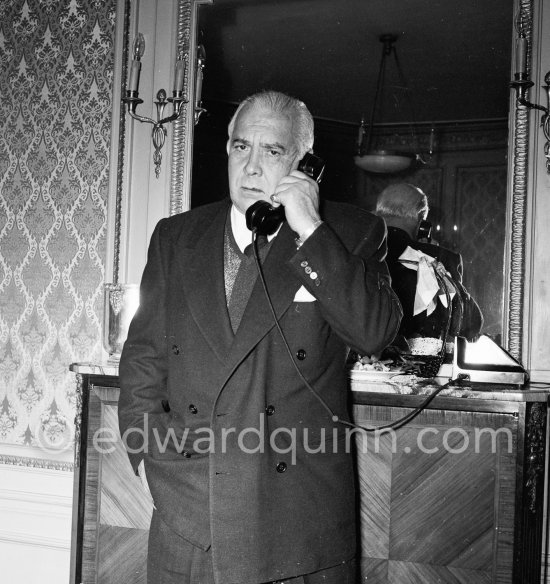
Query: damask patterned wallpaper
point(56, 66)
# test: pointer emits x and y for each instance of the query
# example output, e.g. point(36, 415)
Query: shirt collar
point(241, 233)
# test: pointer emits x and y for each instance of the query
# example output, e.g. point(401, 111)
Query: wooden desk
point(455, 496)
point(111, 511)
point(458, 494)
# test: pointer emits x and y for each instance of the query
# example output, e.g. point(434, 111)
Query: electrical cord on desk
point(393, 425)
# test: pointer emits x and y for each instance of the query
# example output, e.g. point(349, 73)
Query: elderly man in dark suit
point(240, 431)
point(404, 206)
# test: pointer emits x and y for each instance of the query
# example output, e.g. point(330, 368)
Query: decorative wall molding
point(36, 507)
point(35, 525)
point(118, 148)
point(24, 496)
point(43, 463)
point(16, 455)
point(518, 205)
point(449, 136)
point(45, 541)
point(182, 144)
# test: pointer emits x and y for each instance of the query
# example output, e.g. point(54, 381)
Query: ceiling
point(455, 55)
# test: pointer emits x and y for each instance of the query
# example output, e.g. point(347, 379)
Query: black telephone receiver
point(424, 231)
point(266, 219)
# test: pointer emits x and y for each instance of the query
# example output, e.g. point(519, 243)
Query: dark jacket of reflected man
point(404, 206)
point(259, 485)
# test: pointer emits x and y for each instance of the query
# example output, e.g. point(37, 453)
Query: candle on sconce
point(134, 75)
point(138, 50)
point(201, 58)
point(198, 86)
point(180, 76)
point(521, 56)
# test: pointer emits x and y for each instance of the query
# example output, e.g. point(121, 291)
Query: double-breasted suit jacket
point(240, 454)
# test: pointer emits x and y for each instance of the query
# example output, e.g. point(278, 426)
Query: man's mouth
point(253, 190)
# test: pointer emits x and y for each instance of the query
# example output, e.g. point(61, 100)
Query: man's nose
point(253, 165)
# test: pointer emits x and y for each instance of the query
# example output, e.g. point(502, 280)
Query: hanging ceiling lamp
point(369, 157)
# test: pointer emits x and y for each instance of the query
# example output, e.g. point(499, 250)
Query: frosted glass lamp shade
point(384, 161)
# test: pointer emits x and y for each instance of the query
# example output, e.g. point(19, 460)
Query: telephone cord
point(393, 425)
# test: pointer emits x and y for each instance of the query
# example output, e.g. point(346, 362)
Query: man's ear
point(227, 144)
point(296, 161)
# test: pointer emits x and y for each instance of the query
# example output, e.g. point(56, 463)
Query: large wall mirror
point(456, 60)
point(456, 56)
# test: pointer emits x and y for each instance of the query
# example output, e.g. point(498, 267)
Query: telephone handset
point(425, 231)
point(266, 219)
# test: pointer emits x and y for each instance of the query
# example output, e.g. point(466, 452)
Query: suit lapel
point(257, 319)
point(202, 278)
point(202, 275)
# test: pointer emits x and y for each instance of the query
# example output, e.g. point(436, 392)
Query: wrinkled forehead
point(258, 118)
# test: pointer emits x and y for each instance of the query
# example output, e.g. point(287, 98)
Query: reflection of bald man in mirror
point(404, 206)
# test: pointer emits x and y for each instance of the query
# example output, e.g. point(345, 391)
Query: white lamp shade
point(384, 161)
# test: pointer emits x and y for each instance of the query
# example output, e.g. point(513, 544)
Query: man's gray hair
point(282, 104)
point(402, 200)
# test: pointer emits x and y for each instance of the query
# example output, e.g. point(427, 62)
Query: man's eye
point(240, 147)
point(274, 153)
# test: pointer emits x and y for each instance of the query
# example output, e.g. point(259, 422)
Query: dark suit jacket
point(282, 511)
point(467, 319)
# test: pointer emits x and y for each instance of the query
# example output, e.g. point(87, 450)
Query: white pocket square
point(304, 296)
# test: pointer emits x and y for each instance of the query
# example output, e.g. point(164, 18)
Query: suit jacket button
point(193, 409)
point(270, 410)
point(281, 467)
point(165, 405)
point(175, 350)
point(186, 454)
point(301, 354)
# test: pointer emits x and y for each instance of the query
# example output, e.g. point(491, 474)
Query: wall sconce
point(522, 84)
point(132, 100)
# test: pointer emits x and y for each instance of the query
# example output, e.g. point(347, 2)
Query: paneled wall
point(35, 524)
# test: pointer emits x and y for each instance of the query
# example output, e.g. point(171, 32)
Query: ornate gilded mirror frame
point(182, 145)
point(518, 148)
point(182, 160)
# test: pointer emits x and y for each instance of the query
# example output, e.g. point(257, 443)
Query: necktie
point(261, 241)
point(244, 282)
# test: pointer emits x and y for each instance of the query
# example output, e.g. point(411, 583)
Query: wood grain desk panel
point(114, 519)
point(455, 496)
